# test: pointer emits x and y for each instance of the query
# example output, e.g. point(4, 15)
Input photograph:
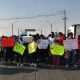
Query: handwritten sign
point(8, 42)
point(27, 39)
point(57, 49)
point(43, 44)
point(19, 48)
point(32, 47)
point(70, 44)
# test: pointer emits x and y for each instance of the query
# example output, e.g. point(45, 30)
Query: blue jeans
point(72, 58)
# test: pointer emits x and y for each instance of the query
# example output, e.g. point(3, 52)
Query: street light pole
point(12, 29)
point(18, 31)
point(50, 25)
point(41, 31)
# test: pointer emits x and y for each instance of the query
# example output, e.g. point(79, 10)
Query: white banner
point(70, 44)
point(27, 39)
point(43, 44)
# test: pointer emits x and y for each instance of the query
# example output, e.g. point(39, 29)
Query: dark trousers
point(9, 56)
point(71, 60)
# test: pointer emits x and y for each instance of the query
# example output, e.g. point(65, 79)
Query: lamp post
point(18, 31)
point(50, 25)
point(13, 27)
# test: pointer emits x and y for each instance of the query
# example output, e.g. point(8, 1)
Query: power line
point(16, 18)
point(6, 28)
point(38, 16)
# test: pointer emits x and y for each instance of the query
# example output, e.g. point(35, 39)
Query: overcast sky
point(28, 8)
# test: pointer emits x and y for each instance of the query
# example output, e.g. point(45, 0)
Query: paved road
point(42, 73)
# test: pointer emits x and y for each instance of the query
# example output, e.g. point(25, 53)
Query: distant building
point(26, 31)
point(75, 29)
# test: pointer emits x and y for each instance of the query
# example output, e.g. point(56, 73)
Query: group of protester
point(42, 55)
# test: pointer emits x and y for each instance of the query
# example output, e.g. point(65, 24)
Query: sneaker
point(35, 65)
point(21, 65)
point(32, 64)
point(18, 64)
point(75, 66)
point(66, 65)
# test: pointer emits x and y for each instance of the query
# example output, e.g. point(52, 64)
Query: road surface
point(12, 72)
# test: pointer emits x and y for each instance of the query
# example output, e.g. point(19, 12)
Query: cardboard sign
point(27, 39)
point(19, 48)
point(32, 47)
point(70, 44)
point(57, 49)
point(43, 44)
point(8, 42)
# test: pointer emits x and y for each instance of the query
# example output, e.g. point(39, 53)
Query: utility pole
point(65, 22)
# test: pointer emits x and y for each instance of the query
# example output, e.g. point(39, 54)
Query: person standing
point(70, 55)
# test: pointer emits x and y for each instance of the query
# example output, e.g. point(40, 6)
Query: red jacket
point(61, 38)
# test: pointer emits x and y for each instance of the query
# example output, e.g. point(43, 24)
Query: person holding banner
point(51, 38)
point(7, 45)
point(51, 41)
point(78, 52)
point(1, 54)
point(61, 38)
point(32, 50)
point(18, 56)
point(70, 54)
point(27, 40)
point(56, 57)
point(43, 45)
